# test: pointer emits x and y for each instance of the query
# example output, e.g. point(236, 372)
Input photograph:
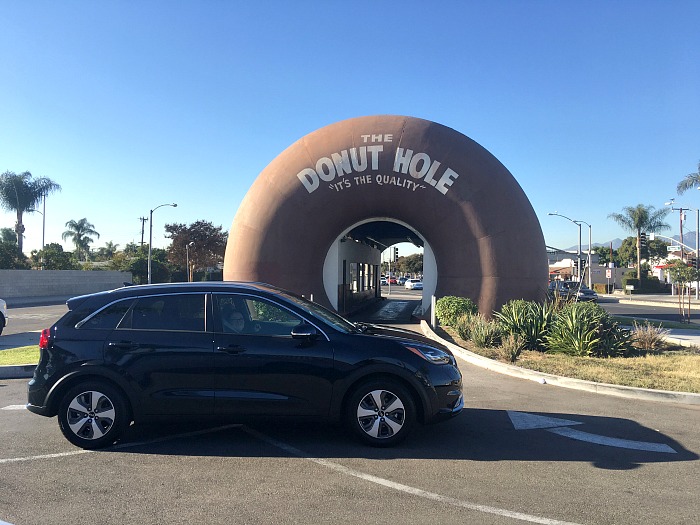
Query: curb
point(630, 392)
point(17, 371)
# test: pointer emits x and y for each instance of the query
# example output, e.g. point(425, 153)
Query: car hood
point(390, 332)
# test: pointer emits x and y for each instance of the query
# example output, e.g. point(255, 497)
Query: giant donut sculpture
point(483, 232)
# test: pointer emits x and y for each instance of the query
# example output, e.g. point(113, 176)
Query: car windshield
point(336, 321)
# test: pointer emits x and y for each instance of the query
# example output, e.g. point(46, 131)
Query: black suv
point(233, 350)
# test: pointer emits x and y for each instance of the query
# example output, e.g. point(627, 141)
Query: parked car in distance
point(401, 280)
point(413, 284)
point(226, 350)
point(383, 281)
point(392, 280)
point(3, 315)
point(572, 290)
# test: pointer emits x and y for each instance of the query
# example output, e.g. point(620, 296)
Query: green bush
point(484, 332)
point(585, 329)
point(463, 326)
point(448, 309)
point(528, 319)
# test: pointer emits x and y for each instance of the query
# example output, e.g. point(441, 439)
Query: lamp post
point(589, 249)
point(150, 236)
point(187, 251)
point(578, 255)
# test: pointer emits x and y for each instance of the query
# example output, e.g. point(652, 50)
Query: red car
point(392, 280)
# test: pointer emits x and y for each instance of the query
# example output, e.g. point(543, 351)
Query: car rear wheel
point(381, 413)
point(92, 415)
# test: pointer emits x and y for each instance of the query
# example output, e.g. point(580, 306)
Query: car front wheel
point(92, 415)
point(381, 413)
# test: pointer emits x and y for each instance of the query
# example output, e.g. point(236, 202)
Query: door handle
point(123, 345)
point(231, 349)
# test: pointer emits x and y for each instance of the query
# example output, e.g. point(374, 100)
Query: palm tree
point(80, 233)
point(20, 193)
point(692, 180)
point(638, 219)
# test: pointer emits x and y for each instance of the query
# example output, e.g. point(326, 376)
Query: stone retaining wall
point(26, 284)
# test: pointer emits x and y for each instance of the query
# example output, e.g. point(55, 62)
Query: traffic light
point(642, 239)
point(396, 253)
point(692, 262)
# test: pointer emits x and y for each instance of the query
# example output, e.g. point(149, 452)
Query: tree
point(80, 233)
point(54, 258)
point(413, 263)
point(638, 219)
point(107, 252)
point(8, 235)
point(205, 243)
point(20, 193)
point(682, 276)
point(692, 180)
point(10, 259)
point(658, 250)
point(606, 255)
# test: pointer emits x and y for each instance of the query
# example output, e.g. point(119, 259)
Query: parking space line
point(120, 446)
point(404, 488)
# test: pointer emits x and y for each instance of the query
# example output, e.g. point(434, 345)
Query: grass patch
point(674, 368)
point(23, 355)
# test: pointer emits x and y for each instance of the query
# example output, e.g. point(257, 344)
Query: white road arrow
point(525, 421)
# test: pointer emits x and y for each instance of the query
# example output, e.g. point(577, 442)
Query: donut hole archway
point(484, 235)
point(378, 234)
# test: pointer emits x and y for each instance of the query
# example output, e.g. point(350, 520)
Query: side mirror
point(304, 331)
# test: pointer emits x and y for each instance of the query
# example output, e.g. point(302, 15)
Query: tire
point(381, 412)
point(2, 323)
point(93, 415)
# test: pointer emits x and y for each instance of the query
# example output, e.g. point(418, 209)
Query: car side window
point(167, 312)
point(253, 316)
point(108, 318)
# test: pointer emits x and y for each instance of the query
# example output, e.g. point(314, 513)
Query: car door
point(162, 347)
point(261, 369)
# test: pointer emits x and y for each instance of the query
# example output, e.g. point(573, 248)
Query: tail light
point(44, 339)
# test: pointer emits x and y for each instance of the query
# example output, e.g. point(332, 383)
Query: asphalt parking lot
point(521, 452)
point(498, 462)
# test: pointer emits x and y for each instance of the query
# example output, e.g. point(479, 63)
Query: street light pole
point(578, 255)
point(187, 251)
point(150, 236)
point(590, 285)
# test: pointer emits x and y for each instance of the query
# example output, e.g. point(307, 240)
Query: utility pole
point(143, 222)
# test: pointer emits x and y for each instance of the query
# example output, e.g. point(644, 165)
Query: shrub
point(528, 319)
point(463, 326)
point(484, 332)
point(449, 308)
point(511, 347)
point(585, 329)
point(648, 337)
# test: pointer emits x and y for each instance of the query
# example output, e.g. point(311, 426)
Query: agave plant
point(528, 319)
point(585, 329)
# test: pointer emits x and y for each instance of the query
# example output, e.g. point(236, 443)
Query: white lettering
point(325, 169)
point(342, 162)
point(402, 160)
point(359, 164)
point(446, 180)
point(309, 179)
point(374, 150)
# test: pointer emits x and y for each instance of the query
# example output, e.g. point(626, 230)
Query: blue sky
point(592, 106)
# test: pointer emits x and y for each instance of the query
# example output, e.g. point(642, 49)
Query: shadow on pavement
point(476, 435)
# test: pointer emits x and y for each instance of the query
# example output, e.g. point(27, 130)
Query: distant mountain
point(688, 240)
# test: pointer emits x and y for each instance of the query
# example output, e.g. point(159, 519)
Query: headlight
point(429, 353)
